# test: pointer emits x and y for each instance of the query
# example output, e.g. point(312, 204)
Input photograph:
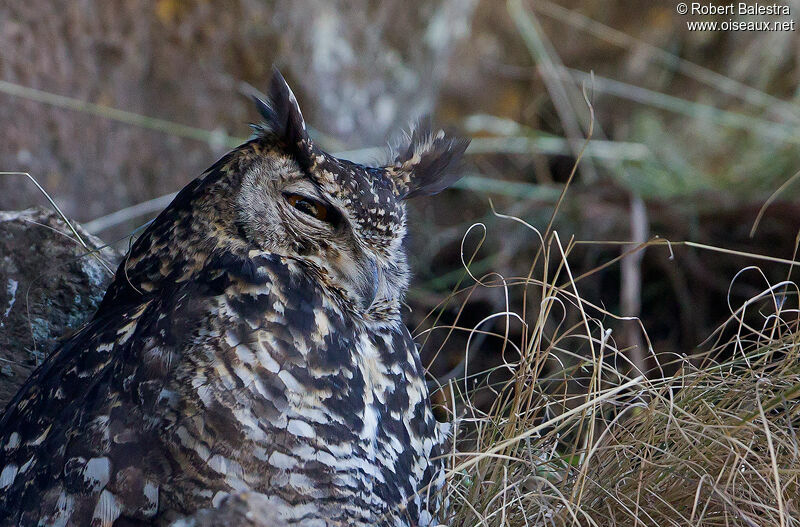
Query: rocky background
point(52, 285)
point(693, 131)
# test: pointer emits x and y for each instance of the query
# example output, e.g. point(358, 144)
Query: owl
point(250, 348)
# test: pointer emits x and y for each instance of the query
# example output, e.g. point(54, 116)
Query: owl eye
point(309, 206)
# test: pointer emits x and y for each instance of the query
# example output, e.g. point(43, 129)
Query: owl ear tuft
point(425, 165)
point(282, 117)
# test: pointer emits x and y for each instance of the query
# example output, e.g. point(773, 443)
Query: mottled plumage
point(250, 345)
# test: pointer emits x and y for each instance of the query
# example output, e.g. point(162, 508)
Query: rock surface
point(49, 285)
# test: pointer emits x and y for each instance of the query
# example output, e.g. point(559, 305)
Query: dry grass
point(577, 435)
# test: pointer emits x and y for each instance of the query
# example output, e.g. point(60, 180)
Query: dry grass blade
point(74, 231)
point(563, 95)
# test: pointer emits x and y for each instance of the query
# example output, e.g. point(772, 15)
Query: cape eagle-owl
point(250, 345)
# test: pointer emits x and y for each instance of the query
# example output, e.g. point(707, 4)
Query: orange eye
point(308, 206)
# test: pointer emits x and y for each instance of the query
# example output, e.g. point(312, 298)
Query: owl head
point(345, 220)
point(281, 194)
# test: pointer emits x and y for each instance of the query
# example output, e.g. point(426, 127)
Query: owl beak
point(370, 283)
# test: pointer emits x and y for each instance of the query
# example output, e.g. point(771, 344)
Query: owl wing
point(79, 442)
